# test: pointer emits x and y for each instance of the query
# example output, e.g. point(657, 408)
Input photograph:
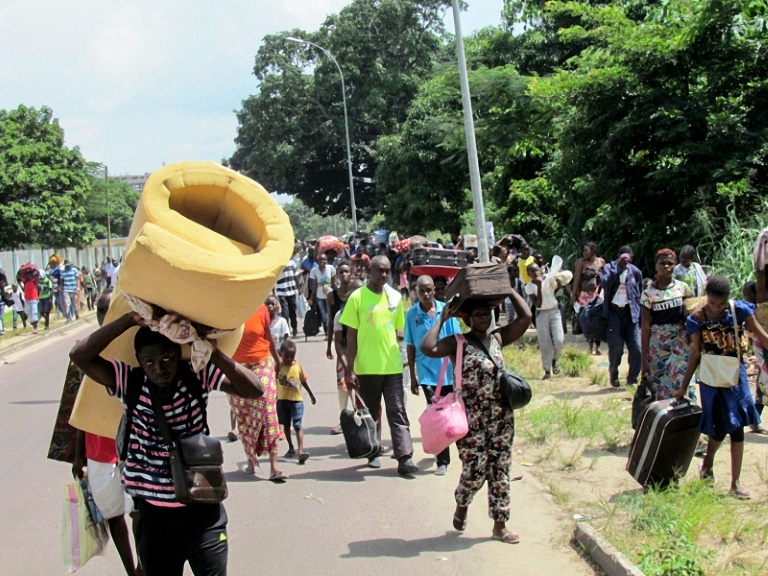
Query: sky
point(137, 84)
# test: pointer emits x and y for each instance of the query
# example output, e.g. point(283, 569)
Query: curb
point(36, 339)
point(613, 562)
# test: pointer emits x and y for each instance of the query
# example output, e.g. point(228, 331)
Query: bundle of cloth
point(205, 248)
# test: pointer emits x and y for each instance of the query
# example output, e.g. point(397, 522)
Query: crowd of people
point(62, 288)
point(387, 331)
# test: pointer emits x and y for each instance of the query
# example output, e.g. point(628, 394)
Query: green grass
point(524, 358)
point(574, 361)
point(605, 426)
point(686, 530)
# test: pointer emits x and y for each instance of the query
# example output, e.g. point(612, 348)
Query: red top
point(100, 448)
point(254, 347)
point(30, 290)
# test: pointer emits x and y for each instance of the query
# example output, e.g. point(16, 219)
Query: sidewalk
point(14, 340)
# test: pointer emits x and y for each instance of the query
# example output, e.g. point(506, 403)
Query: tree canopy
point(291, 134)
point(43, 184)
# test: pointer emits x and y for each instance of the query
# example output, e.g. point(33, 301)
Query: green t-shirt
point(44, 288)
point(377, 349)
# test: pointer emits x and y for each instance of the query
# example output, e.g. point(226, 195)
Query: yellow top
point(289, 382)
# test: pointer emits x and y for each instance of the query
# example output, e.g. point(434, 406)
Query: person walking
point(373, 316)
point(336, 299)
point(45, 300)
point(69, 278)
point(486, 450)
point(549, 321)
point(622, 284)
point(256, 417)
point(664, 342)
point(725, 411)
point(286, 291)
point(425, 371)
point(586, 283)
point(321, 281)
point(168, 534)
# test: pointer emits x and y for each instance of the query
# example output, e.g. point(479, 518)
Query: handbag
point(722, 371)
point(81, 537)
point(516, 393)
point(196, 462)
point(445, 420)
point(359, 429)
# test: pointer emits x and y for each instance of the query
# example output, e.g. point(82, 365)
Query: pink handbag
point(445, 420)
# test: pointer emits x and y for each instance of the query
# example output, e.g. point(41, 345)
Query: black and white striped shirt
point(147, 472)
point(286, 285)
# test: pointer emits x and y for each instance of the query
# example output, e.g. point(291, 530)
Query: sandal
point(740, 494)
point(507, 537)
point(303, 457)
point(708, 475)
point(232, 436)
point(459, 523)
point(277, 476)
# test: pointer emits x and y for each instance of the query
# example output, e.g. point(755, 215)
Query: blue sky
point(139, 83)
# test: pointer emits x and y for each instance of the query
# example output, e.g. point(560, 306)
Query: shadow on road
point(35, 402)
point(399, 548)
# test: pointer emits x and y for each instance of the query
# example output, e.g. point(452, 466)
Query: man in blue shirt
point(418, 321)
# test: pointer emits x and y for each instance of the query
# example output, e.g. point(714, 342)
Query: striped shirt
point(147, 474)
point(69, 278)
point(286, 285)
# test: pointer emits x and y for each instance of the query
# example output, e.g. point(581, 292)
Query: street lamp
point(346, 122)
point(109, 224)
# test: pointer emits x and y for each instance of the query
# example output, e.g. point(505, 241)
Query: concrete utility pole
point(109, 224)
point(469, 128)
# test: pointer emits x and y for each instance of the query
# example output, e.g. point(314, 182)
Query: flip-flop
point(232, 436)
point(459, 523)
point(760, 431)
point(507, 537)
point(740, 493)
point(708, 476)
point(303, 458)
point(278, 476)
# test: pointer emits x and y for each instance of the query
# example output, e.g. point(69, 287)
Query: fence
point(90, 256)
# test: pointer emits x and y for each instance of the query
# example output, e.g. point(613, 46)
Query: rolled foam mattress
point(206, 243)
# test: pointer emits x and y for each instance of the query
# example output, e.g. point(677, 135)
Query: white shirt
point(323, 280)
point(279, 328)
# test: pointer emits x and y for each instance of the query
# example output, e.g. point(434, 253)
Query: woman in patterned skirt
point(257, 418)
point(486, 450)
point(662, 335)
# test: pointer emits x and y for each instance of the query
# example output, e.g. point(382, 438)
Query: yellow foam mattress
point(206, 243)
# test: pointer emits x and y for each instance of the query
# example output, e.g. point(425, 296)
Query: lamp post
point(346, 122)
point(109, 224)
point(469, 128)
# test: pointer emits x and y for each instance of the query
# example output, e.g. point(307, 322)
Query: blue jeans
point(622, 330)
point(322, 306)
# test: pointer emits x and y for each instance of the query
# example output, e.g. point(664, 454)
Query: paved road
point(332, 516)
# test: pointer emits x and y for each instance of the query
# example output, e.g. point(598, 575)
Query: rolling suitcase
point(664, 443)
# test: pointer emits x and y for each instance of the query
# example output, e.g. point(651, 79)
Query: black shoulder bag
point(196, 461)
point(515, 390)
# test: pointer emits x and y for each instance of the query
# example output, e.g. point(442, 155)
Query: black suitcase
point(664, 443)
point(438, 257)
point(312, 323)
point(359, 430)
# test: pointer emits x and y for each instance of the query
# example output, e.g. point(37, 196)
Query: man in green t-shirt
point(373, 315)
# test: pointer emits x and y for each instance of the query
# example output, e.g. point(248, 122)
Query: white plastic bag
point(81, 538)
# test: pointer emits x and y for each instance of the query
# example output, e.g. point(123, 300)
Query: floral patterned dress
point(668, 348)
point(486, 450)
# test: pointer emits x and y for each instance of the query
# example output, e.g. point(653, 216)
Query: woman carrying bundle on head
point(486, 450)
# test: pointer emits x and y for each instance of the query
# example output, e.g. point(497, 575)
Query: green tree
point(43, 184)
point(291, 134)
point(122, 205)
point(659, 121)
point(308, 224)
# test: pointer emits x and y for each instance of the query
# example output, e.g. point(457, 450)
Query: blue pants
point(622, 330)
point(322, 307)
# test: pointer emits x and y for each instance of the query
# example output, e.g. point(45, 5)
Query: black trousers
point(288, 310)
point(166, 538)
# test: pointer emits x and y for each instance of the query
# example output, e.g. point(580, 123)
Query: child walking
point(290, 403)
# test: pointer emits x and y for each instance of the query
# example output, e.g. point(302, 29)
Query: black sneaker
point(615, 384)
point(407, 467)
